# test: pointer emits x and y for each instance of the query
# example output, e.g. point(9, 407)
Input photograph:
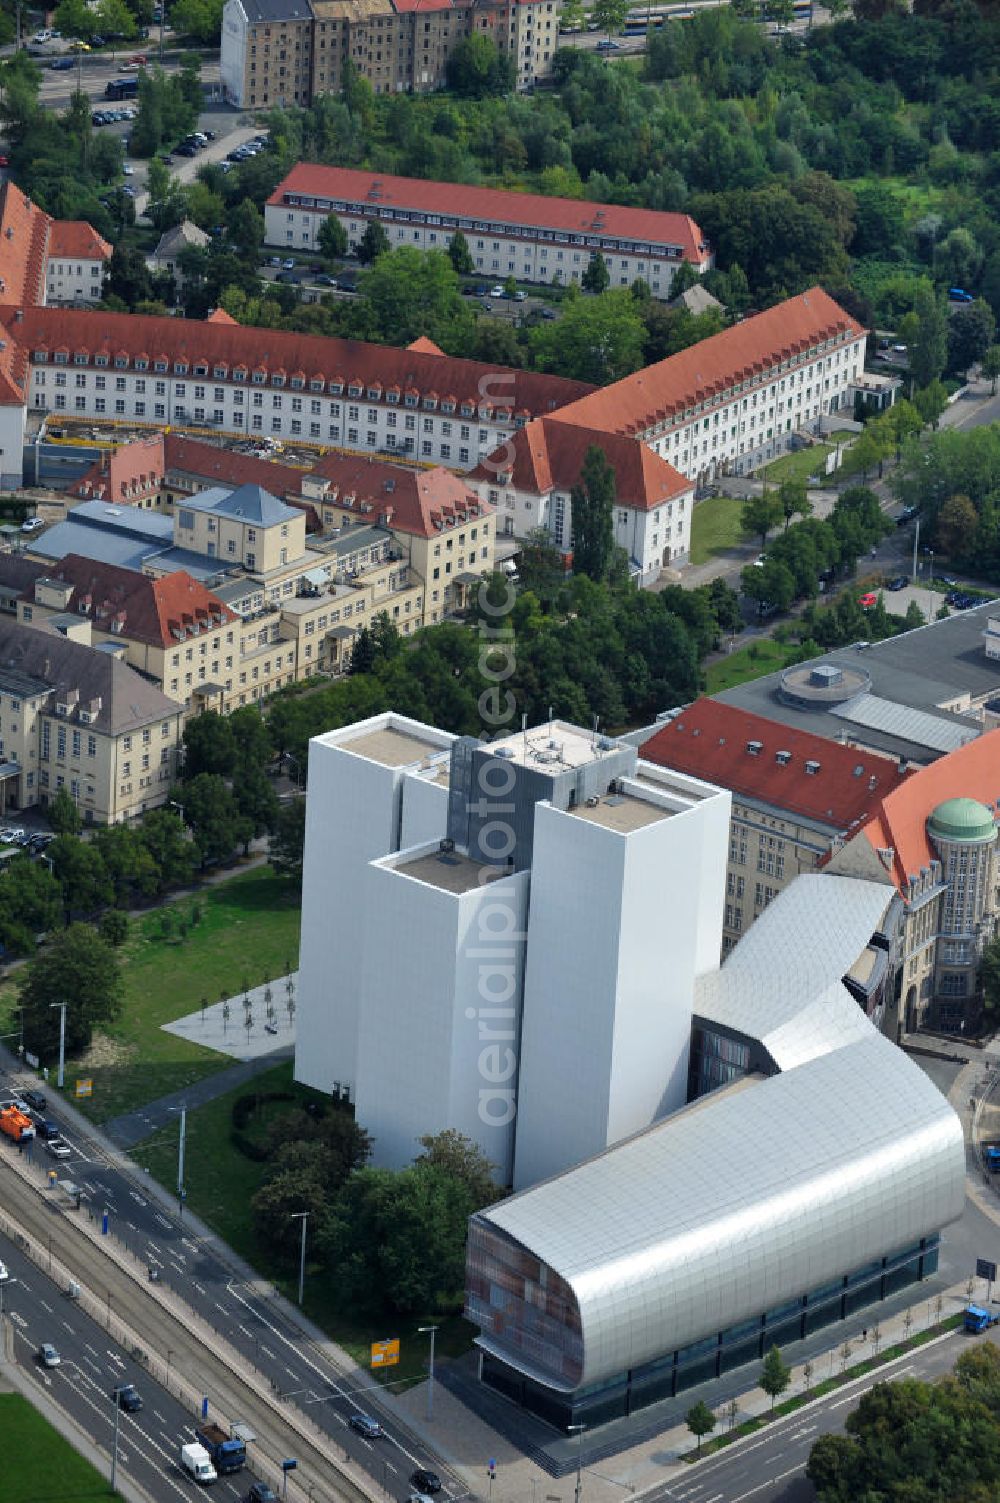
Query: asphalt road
point(92, 1366)
point(243, 1311)
point(770, 1467)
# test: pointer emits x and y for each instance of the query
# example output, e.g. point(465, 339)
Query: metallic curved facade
point(746, 1199)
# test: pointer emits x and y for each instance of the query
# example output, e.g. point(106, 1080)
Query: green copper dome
point(962, 819)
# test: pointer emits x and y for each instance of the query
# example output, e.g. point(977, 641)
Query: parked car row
point(111, 117)
point(34, 843)
point(960, 600)
point(195, 142)
point(247, 150)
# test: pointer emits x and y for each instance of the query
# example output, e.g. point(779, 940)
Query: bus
point(122, 88)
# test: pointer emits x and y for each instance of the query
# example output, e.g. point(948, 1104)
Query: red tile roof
point(423, 503)
point(220, 316)
point(126, 474)
point(220, 466)
point(497, 205)
point(24, 233)
point(548, 455)
point(78, 239)
point(706, 370)
point(425, 346)
point(161, 612)
point(312, 356)
point(709, 740)
point(900, 824)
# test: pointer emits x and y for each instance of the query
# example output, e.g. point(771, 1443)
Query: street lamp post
point(62, 1042)
point(578, 1430)
point(302, 1216)
point(430, 1331)
point(181, 1144)
point(180, 809)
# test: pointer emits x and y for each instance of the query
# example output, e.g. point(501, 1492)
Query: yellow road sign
point(85, 1087)
point(385, 1353)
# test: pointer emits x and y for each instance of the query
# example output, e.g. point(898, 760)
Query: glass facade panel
point(715, 1061)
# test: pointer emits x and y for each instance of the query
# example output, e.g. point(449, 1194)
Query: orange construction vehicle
point(16, 1125)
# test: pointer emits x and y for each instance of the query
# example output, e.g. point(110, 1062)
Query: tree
point(955, 528)
point(113, 927)
point(929, 351)
point(162, 833)
point(332, 238)
point(82, 875)
point(214, 818)
point(991, 367)
point(970, 333)
point(79, 968)
point(610, 15)
point(63, 815)
point(793, 500)
point(700, 1421)
point(930, 401)
point(114, 19)
point(592, 501)
point(771, 583)
point(760, 515)
point(914, 617)
point(209, 745)
point(74, 18)
point(832, 1468)
point(477, 70)
point(775, 1375)
point(30, 905)
point(460, 255)
point(597, 339)
point(373, 243)
point(596, 278)
point(201, 20)
point(457, 1155)
point(409, 293)
point(287, 842)
point(245, 230)
point(401, 1234)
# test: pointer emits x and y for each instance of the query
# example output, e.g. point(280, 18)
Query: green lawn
point(38, 1465)
point(249, 925)
point(715, 527)
point(802, 465)
point(220, 1182)
point(760, 657)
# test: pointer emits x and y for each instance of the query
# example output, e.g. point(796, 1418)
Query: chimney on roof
point(19, 316)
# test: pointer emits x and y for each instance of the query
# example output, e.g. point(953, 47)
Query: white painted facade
point(232, 57)
point(353, 816)
point(519, 252)
point(622, 922)
point(78, 280)
point(653, 538)
point(239, 408)
point(427, 1060)
point(12, 428)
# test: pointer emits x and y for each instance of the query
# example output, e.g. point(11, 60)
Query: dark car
point(324, 280)
point(129, 1398)
point(37, 1100)
point(287, 278)
point(61, 64)
point(906, 515)
point(899, 583)
point(425, 1481)
point(366, 1426)
point(548, 312)
point(48, 1129)
point(260, 1493)
point(185, 151)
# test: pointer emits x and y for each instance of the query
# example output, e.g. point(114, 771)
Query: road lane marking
point(46, 1306)
point(769, 1483)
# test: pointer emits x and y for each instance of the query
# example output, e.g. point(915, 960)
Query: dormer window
point(201, 369)
point(141, 363)
point(336, 387)
point(374, 393)
point(430, 404)
point(180, 367)
point(354, 390)
point(62, 357)
point(41, 357)
point(219, 372)
point(101, 360)
point(259, 377)
point(316, 384)
point(79, 359)
point(277, 380)
point(410, 400)
point(468, 410)
point(160, 367)
point(297, 383)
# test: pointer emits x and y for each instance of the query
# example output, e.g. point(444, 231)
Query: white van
point(196, 1461)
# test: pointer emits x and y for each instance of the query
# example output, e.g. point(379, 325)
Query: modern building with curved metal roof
point(813, 1183)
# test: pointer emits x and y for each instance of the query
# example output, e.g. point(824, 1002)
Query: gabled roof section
point(76, 239)
point(495, 205)
point(160, 612)
point(24, 239)
point(836, 786)
point(126, 474)
point(705, 371)
point(548, 455)
point(897, 832)
point(425, 346)
point(422, 503)
point(180, 237)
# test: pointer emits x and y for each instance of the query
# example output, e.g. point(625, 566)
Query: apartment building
point(525, 235)
point(78, 717)
point(245, 381)
point(172, 630)
point(796, 797)
point(530, 481)
point(277, 52)
point(165, 256)
point(441, 528)
point(266, 57)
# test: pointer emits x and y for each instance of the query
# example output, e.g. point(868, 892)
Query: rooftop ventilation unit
point(783, 758)
point(812, 768)
point(755, 748)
